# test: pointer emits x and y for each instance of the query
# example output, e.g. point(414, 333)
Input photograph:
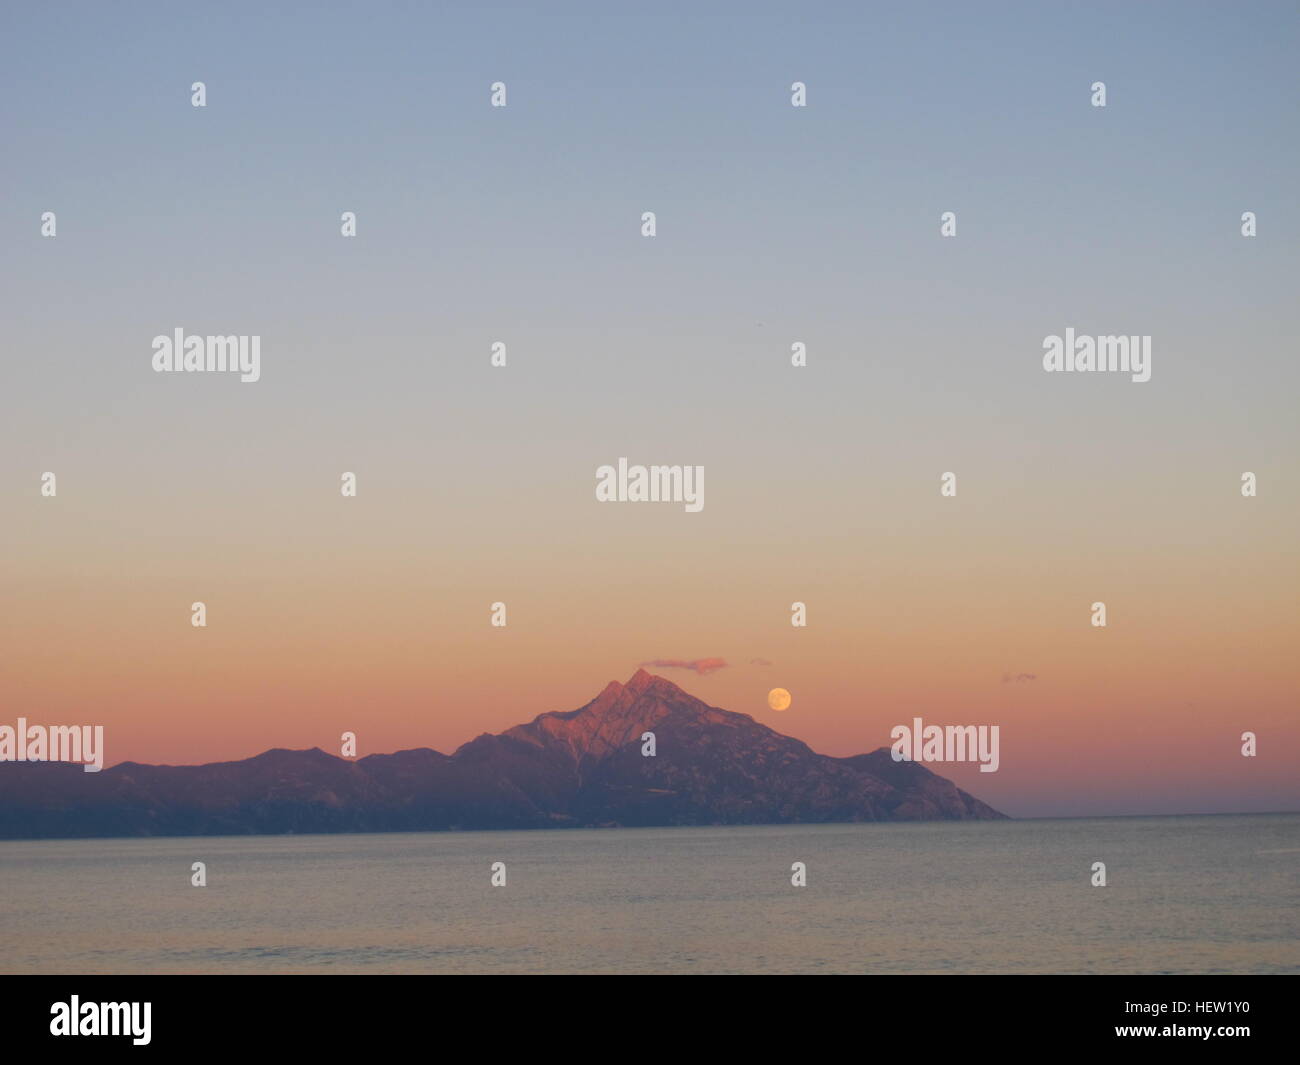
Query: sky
point(775, 225)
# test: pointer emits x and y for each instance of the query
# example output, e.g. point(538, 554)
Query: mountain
point(574, 768)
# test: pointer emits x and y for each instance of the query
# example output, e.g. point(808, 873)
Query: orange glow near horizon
point(327, 635)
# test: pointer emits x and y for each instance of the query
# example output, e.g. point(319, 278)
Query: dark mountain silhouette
point(575, 768)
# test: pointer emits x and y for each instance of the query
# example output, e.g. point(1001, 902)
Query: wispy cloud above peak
point(702, 666)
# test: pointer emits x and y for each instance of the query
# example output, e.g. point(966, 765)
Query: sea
point(1212, 894)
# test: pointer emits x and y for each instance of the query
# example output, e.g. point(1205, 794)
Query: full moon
point(778, 698)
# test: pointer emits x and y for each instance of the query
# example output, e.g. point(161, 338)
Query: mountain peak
point(641, 680)
point(615, 718)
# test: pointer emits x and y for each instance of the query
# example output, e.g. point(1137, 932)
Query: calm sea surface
point(1185, 894)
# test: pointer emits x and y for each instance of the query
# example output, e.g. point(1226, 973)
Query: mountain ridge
point(571, 768)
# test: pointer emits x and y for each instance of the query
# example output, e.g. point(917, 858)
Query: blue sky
point(775, 224)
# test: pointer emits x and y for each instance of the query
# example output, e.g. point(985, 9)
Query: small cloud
point(759, 662)
point(1018, 678)
point(702, 666)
